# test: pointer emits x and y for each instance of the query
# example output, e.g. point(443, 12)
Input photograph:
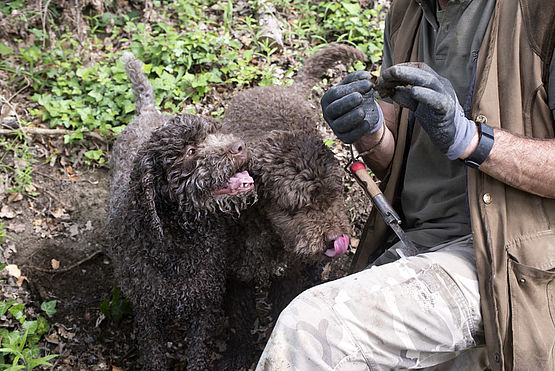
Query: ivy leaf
point(30, 326)
point(5, 50)
point(49, 307)
point(42, 325)
point(17, 311)
point(5, 305)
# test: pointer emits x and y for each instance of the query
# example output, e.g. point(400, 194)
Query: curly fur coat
point(175, 183)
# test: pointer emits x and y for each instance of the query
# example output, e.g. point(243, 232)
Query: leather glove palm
point(349, 107)
point(434, 102)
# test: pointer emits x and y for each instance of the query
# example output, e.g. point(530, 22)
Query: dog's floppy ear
point(284, 165)
point(147, 190)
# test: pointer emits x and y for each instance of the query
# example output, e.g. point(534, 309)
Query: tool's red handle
point(358, 169)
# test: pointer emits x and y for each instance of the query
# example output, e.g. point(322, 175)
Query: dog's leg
point(151, 339)
point(295, 280)
point(240, 307)
point(201, 334)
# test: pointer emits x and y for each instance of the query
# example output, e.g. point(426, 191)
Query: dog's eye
point(190, 151)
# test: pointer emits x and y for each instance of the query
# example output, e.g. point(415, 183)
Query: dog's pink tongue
point(340, 246)
point(238, 183)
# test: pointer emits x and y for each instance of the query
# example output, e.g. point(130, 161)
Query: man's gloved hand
point(434, 102)
point(349, 107)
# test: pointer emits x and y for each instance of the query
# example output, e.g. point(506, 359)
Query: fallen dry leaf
point(55, 264)
point(65, 334)
point(69, 170)
point(20, 280)
point(58, 213)
point(15, 197)
point(53, 338)
point(88, 226)
point(13, 270)
point(17, 228)
point(7, 212)
point(116, 368)
point(37, 222)
point(30, 188)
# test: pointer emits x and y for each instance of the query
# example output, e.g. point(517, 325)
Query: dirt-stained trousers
point(415, 312)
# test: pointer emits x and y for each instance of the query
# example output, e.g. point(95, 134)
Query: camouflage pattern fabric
point(416, 312)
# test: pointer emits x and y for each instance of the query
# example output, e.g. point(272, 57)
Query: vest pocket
point(535, 250)
point(532, 293)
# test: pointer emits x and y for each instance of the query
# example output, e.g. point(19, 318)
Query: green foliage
point(5, 50)
point(19, 348)
point(16, 161)
point(341, 21)
point(95, 155)
point(115, 307)
point(185, 57)
point(49, 307)
point(3, 237)
point(8, 6)
point(86, 98)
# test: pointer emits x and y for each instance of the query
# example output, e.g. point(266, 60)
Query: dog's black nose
point(238, 148)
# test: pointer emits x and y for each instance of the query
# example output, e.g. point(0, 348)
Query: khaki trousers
point(415, 312)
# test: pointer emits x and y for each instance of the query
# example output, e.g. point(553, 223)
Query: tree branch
point(44, 131)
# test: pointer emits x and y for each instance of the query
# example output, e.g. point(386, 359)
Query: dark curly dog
point(300, 220)
point(176, 183)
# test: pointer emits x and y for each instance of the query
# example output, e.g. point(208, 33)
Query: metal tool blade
point(408, 247)
point(391, 218)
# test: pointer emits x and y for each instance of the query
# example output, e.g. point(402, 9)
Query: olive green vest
point(513, 231)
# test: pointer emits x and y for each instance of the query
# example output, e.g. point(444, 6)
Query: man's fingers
point(357, 75)
point(403, 96)
point(343, 105)
point(354, 135)
point(404, 74)
point(340, 91)
point(438, 102)
point(420, 65)
point(348, 121)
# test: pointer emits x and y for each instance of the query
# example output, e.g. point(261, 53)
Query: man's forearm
point(524, 163)
point(382, 152)
point(382, 149)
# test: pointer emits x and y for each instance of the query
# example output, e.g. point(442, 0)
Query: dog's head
point(301, 187)
point(187, 170)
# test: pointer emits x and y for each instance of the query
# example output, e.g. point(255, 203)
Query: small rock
point(74, 230)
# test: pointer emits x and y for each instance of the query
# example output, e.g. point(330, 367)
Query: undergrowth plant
point(340, 21)
point(16, 159)
point(115, 307)
point(191, 48)
point(19, 349)
point(3, 236)
point(184, 57)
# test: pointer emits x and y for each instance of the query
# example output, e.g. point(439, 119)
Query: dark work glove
point(349, 108)
point(434, 102)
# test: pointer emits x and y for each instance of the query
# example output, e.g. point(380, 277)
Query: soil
point(57, 240)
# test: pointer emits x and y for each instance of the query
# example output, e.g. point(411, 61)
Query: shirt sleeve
point(551, 86)
point(387, 57)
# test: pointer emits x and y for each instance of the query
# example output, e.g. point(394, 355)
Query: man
point(475, 185)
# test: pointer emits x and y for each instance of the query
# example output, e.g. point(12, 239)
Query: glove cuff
point(379, 123)
point(465, 130)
